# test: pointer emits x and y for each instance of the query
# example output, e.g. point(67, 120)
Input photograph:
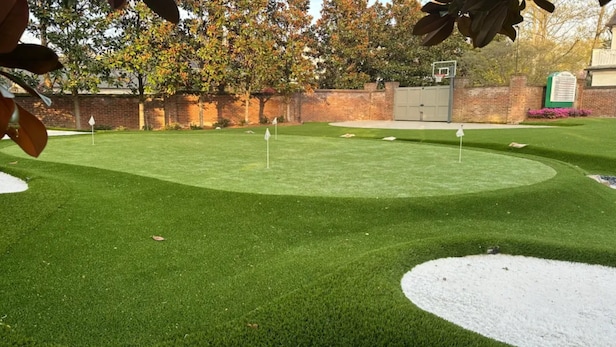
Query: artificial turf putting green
point(78, 266)
point(299, 165)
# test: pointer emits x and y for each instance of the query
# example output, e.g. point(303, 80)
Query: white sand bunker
point(10, 184)
point(520, 300)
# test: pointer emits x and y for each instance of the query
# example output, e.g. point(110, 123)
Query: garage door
point(430, 104)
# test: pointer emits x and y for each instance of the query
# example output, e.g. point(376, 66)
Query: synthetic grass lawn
point(299, 165)
point(78, 266)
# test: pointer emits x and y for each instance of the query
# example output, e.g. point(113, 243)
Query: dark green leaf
point(165, 8)
point(546, 5)
point(34, 58)
point(439, 35)
point(430, 23)
point(26, 87)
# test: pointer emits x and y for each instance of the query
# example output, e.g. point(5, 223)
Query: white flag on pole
point(267, 134)
point(275, 121)
point(91, 121)
point(460, 132)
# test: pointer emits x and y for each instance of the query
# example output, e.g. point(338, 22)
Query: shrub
point(263, 120)
point(121, 128)
point(223, 123)
point(173, 126)
point(195, 127)
point(554, 113)
point(102, 127)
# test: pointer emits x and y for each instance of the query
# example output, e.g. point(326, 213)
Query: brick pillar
point(390, 87)
point(457, 109)
point(517, 99)
point(579, 93)
point(370, 87)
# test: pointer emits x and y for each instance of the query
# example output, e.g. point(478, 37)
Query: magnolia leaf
point(490, 26)
point(6, 110)
point(433, 7)
point(5, 8)
point(439, 35)
point(5, 92)
point(165, 8)
point(31, 135)
point(13, 23)
point(26, 87)
point(34, 58)
point(464, 26)
point(430, 23)
point(116, 4)
point(545, 4)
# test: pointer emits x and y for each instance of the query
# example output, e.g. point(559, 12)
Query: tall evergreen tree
point(344, 45)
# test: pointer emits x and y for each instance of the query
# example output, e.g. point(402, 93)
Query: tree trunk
point(76, 108)
point(288, 115)
point(143, 125)
point(43, 34)
point(246, 106)
point(201, 109)
point(142, 120)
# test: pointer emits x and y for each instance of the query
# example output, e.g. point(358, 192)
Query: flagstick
point(92, 122)
point(267, 165)
point(460, 156)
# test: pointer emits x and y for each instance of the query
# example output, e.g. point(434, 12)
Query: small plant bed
point(609, 181)
point(557, 113)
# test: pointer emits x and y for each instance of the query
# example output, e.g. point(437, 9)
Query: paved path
point(385, 124)
point(59, 133)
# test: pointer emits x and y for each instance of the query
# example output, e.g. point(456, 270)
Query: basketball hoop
point(438, 78)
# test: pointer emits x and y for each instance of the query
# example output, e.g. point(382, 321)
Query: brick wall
point(600, 100)
point(348, 105)
point(507, 104)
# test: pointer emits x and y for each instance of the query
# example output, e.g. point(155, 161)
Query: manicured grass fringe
point(78, 266)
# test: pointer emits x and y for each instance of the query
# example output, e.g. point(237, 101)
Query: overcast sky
point(315, 7)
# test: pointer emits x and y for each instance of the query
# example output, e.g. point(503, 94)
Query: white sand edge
point(520, 300)
point(11, 184)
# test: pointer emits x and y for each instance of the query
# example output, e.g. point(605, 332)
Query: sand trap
point(519, 300)
point(10, 184)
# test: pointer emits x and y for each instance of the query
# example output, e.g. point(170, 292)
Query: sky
point(315, 12)
point(315, 7)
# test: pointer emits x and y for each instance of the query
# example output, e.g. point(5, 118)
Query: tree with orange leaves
point(21, 126)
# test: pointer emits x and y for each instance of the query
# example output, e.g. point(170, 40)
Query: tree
point(561, 41)
point(149, 54)
point(480, 20)
point(76, 31)
point(344, 47)
point(21, 126)
point(206, 32)
point(292, 71)
point(405, 60)
point(251, 48)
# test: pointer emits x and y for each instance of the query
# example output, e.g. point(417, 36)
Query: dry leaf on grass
point(158, 238)
point(517, 145)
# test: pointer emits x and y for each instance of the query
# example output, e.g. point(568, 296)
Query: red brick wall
point(507, 104)
point(600, 100)
point(348, 105)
